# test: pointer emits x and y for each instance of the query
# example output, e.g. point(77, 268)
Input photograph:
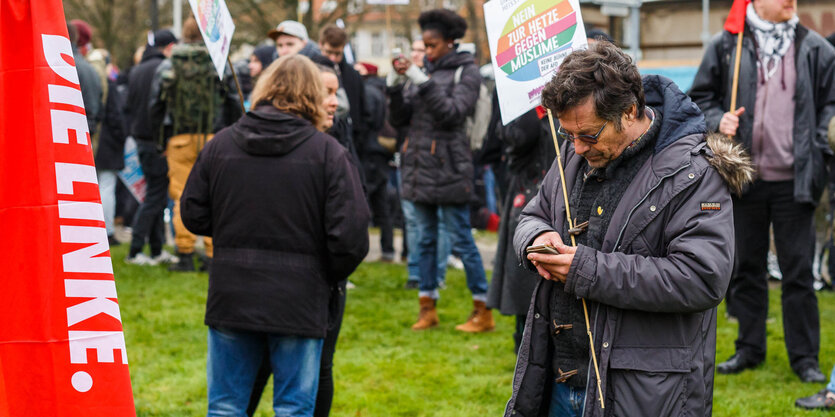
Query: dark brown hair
point(333, 35)
point(191, 32)
point(602, 72)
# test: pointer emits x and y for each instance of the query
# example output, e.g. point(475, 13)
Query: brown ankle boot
point(428, 316)
point(481, 319)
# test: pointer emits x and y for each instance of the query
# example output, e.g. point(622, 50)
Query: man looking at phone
point(651, 209)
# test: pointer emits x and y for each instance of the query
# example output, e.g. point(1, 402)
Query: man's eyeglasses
point(589, 139)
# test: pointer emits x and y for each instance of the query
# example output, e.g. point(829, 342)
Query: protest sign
point(217, 27)
point(388, 2)
point(528, 41)
point(62, 349)
point(132, 175)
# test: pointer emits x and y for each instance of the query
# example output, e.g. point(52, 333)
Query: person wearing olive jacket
point(436, 163)
point(650, 200)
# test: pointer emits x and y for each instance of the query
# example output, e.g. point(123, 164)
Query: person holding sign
point(649, 199)
point(436, 162)
point(786, 75)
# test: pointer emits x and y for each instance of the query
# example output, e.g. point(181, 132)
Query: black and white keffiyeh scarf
point(773, 39)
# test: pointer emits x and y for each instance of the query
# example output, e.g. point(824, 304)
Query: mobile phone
point(546, 249)
point(396, 53)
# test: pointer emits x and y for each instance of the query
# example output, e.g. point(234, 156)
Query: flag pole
point(574, 243)
point(736, 68)
point(237, 84)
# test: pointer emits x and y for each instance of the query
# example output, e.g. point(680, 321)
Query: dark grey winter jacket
point(814, 100)
point(435, 158)
point(663, 268)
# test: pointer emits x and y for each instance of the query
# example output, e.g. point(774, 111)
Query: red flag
point(62, 350)
point(736, 18)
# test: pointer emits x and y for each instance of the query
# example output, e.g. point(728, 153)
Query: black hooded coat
point(436, 161)
point(284, 205)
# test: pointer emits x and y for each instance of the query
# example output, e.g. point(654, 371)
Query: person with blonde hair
point(284, 206)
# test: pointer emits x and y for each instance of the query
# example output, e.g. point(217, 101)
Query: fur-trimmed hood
point(682, 118)
point(731, 161)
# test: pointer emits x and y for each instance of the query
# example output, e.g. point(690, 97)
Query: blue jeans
point(566, 401)
point(107, 187)
point(413, 242)
point(456, 218)
point(831, 385)
point(233, 361)
point(490, 189)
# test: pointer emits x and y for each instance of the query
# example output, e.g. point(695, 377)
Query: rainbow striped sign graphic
point(540, 28)
point(528, 41)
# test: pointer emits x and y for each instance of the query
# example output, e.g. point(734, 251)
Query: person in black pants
point(148, 222)
point(772, 203)
point(786, 100)
point(376, 159)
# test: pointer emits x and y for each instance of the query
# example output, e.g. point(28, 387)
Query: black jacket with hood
point(436, 161)
point(814, 100)
point(285, 207)
point(664, 266)
point(138, 102)
point(110, 154)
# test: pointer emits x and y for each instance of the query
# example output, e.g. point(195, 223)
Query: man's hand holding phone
point(549, 265)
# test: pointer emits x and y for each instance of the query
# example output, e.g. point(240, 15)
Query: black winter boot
point(186, 263)
point(205, 263)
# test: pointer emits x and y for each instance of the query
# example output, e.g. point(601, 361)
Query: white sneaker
point(166, 257)
point(350, 286)
point(141, 259)
point(455, 262)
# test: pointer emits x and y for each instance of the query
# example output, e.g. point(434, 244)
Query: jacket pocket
point(460, 157)
point(649, 382)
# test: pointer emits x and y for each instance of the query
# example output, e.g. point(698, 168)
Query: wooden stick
point(389, 31)
point(574, 243)
point(237, 84)
point(736, 70)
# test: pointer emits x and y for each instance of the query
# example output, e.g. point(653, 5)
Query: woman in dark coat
point(285, 207)
point(529, 151)
point(436, 162)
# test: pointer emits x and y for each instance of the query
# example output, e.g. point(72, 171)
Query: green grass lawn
point(382, 368)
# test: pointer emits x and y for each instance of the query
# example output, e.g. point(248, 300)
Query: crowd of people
point(613, 250)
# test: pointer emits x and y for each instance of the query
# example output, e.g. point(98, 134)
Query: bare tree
point(121, 26)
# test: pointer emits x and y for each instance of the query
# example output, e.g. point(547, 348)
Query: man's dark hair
point(333, 35)
point(597, 34)
point(602, 72)
point(446, 22)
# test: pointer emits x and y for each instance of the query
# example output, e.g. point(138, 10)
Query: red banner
point(735, 22)
point(62, 350)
